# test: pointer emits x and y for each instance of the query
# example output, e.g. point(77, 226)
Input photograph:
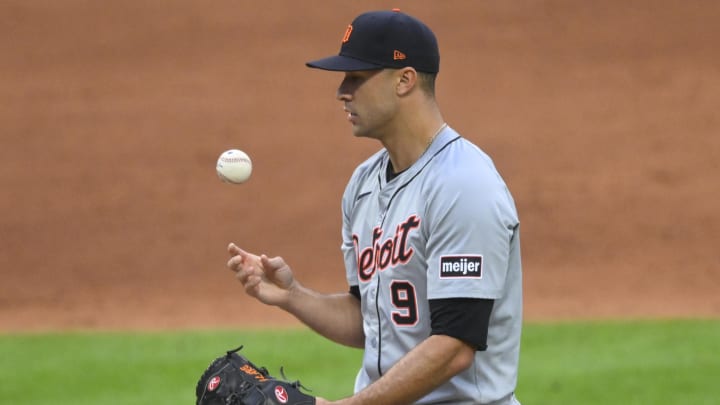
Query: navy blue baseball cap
point(384, 39)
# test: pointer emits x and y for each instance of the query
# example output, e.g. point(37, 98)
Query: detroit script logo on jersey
point(380, 254)
point(461, 267)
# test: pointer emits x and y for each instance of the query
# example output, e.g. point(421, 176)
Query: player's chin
point(360, 132)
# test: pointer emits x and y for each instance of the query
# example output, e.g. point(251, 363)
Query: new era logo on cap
point(384, 39)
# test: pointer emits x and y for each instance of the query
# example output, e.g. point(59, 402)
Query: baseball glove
point(233, 380)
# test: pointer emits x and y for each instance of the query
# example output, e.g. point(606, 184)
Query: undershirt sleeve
point(466, 319)
point(355, 291)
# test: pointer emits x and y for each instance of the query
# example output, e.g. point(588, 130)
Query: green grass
point(644, 362)
point(158, 368)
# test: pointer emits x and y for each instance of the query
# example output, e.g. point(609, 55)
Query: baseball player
point(430, 233)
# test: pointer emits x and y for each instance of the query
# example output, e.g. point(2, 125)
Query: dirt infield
point(602, 117)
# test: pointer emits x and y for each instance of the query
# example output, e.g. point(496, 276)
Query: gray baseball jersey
point(446, 227)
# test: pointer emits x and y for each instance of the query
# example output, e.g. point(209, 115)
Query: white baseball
point(234, 166)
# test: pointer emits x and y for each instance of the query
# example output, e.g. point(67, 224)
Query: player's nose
point(343, 95)
point(344, 91)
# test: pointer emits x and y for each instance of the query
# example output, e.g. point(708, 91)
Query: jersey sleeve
point(356, 187)
point(347, 247)
point(470, 222)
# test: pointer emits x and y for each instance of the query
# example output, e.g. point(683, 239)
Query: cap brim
point(339, 63)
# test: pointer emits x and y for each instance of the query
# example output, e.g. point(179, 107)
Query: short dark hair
point(427, 82)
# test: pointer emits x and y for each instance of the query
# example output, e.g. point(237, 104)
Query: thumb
point(272, 264)
point(277, 271)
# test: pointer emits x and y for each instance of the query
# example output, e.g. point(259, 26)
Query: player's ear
point(406, 80)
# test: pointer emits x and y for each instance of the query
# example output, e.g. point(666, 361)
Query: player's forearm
point(423, 369)
point(335, 316)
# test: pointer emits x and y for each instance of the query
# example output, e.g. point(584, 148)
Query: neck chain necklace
point(434, 136)
point(390, 172)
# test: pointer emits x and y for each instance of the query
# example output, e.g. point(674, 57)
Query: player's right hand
point(267, 279)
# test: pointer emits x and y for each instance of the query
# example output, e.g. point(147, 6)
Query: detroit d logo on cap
point(461, 267)
point(348, 31)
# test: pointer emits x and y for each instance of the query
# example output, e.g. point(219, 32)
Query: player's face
point(369, 100)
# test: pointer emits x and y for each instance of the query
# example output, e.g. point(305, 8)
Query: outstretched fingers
point(235, 263)
point(234, 250)
point(240, 259)
point(251, 280)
